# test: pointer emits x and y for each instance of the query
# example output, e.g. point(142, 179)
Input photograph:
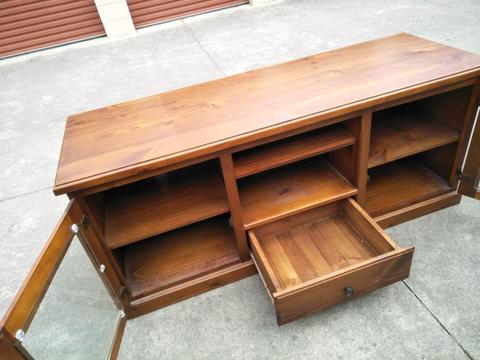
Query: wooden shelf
point(395, 136)
point(292, 149)
point(151, 207)
point(179, 256)
point(401, 183)
point(284, 191)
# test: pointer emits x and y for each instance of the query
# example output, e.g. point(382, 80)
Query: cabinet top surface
point(119, 141)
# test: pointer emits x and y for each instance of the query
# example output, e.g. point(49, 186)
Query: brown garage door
point(147, 12)
point(33, 24)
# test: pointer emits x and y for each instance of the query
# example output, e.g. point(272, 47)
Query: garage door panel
point(147, 12)
point(53, 24)
point(27, 25)
point(44, 16)
point(37, 8)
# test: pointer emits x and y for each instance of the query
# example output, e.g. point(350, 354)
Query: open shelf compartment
point(291, 149)
point(179, 256)
point(395, 136)
point(417, 126)
point(402, 183)
point(290, 189)
point(156, 205)
point(325, 256)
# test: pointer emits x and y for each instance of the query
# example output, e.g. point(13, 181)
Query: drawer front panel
point(333, 290)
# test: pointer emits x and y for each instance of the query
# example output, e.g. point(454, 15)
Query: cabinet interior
point(179, 256)
point(290, 189)
point(412, 151)
point(176, 228)
point(162, 203)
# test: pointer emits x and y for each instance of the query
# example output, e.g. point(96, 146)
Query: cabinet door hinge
point(123, 292)
point(462, 177)
point(85, 222)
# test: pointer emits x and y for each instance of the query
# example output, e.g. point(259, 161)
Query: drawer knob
point(349, 291)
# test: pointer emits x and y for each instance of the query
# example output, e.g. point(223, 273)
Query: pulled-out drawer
point(325, 256)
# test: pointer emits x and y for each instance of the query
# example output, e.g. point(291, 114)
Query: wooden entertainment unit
point(290, 170)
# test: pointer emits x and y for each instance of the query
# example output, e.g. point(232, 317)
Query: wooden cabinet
point(290, 170)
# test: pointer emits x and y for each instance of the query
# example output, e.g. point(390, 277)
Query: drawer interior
point(325, 256)
point(318, 242)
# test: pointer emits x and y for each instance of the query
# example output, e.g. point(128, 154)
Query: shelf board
point(292, 149)
point(290, 189)
point(154, 206)
point(401, 183)
point(396, 136)
point(179, 256)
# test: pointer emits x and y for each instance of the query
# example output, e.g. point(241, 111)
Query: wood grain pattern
point(448, 108)
point(441, 160)
point(117, 341)
point(226, 163)
point(418, 209)
point(378, 240)
point(329, 290)
point(400, 184)
point(184, 290)
point(163, 203)
point(9, 347)
point(179, 256)
point(395, 136)
point(307, 267)
point(362, 129)
point(292, 149)
point(285, 191)
point(313, 249)
point(144, 135)
point(98, 252)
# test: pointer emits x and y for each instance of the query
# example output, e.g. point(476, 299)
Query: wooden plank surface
point(118, 141)
point(288, 190)
point(226, 275)
point(286, 151)
point(418, 209)
point(161, 204)
point(179, 256)
point(314, 249)
point(401, 135)
point(400, 184)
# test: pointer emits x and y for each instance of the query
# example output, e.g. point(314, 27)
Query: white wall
point(116, 18)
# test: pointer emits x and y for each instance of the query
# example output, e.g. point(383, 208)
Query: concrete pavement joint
point(192, 33)
point(439, 322)
point(25, 194)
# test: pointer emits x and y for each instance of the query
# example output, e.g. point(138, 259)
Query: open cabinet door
point(66, 308)
point(470, 176)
